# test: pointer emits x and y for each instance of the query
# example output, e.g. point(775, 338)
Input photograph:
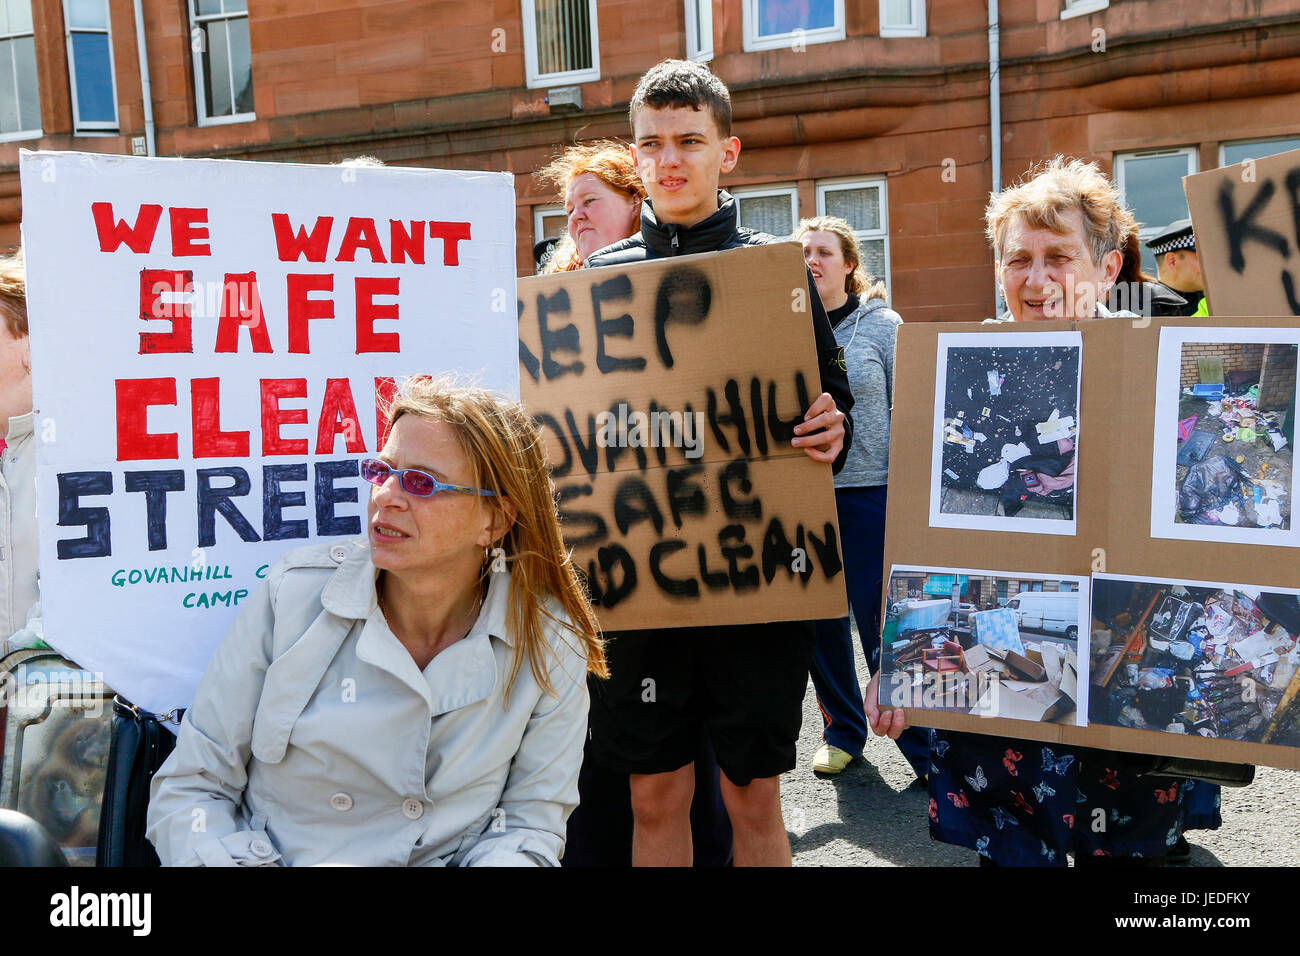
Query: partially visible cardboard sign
point(1247, 223)
point(668, 392)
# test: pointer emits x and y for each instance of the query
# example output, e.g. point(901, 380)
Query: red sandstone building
point(877, 110)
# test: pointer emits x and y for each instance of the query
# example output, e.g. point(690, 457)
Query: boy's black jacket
point(719, 232)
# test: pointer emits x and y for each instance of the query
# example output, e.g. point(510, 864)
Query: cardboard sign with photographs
point(1247, 223)
point(1168, 621)
point(668, 392)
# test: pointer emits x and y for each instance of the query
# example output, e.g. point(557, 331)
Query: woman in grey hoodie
point(864, 327)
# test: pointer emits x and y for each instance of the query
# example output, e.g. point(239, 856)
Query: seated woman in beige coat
point(415, 698)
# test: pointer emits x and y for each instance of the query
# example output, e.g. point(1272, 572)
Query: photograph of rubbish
point(1218, 660)
point(989, 643)
point(1236, 432)
point(1006, 432)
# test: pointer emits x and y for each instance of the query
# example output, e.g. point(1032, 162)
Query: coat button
point(338, 553)
point(412, 808)
point(261, 848)
point(341, 802)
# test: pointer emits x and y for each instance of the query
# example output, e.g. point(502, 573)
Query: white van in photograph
point(1052, 612)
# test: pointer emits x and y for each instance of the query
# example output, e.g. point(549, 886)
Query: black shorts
point(743, 684)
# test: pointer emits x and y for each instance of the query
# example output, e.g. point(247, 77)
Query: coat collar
point(706, 236)
point(20, 427)
point(350, 593)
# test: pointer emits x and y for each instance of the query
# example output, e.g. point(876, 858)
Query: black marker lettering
point(619, 287)
point(564, 339)
point(155, 485)
point(677, 587)
point(634, 503)
point(684, 495)
point(738, 471)
point(684, 295)
point(1239, 230)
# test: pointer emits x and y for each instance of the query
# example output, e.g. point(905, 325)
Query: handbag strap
point(124, 708)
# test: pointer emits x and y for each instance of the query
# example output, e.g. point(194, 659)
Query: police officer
point(1177, 265)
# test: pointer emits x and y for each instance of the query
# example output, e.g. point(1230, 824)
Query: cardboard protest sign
point(1247, 223)
point(208, 342)
point(1145, 630)
point(668, 392)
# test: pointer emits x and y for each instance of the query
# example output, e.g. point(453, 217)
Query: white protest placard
point(208, 340)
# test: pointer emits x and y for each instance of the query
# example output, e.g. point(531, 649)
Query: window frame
point(534, 80)
point(1081, 8)
point(21, 134)
point(196, 56)
point(539, 216)
point(695, 49)
point(918, 21)
point(776, 41)
point(91, 127)
point(762, 192)
point(863, 235)
point(1120, 161)
point(1223, 146)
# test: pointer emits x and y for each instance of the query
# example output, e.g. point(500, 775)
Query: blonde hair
point(1051, 191)
point(858, 282)
point(606, 159)
point(504, 447)
point(13, 294)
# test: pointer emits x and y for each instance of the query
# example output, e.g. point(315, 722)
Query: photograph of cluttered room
point(1236, 430)
point(1216, 660)
point(1009, 433)
point(986, 643)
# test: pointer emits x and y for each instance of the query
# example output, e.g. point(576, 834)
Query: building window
point(902, 18)
point(560, 42)
point(1230, 154)
point(1080, 8)
point(699, 29)
point(549, 222)
point(769, 210)
point(1151, 184)
point(864, 205)
point(223, 60)
point(20, 103)
point(90, 65)
point(771, 24)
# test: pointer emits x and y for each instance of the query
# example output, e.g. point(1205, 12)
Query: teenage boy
point(743, 684)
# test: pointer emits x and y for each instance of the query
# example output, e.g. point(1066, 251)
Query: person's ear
point(730, 154)
point(1111, 263)
point(503, 519)
point(27, 354)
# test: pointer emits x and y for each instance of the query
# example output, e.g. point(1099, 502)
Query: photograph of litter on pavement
point(989, 643)
point(1234, 419)
point(1225, 434)
point(1006, 432)
point(1218, 660)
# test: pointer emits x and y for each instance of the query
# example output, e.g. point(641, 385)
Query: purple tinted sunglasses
point(413, 481)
